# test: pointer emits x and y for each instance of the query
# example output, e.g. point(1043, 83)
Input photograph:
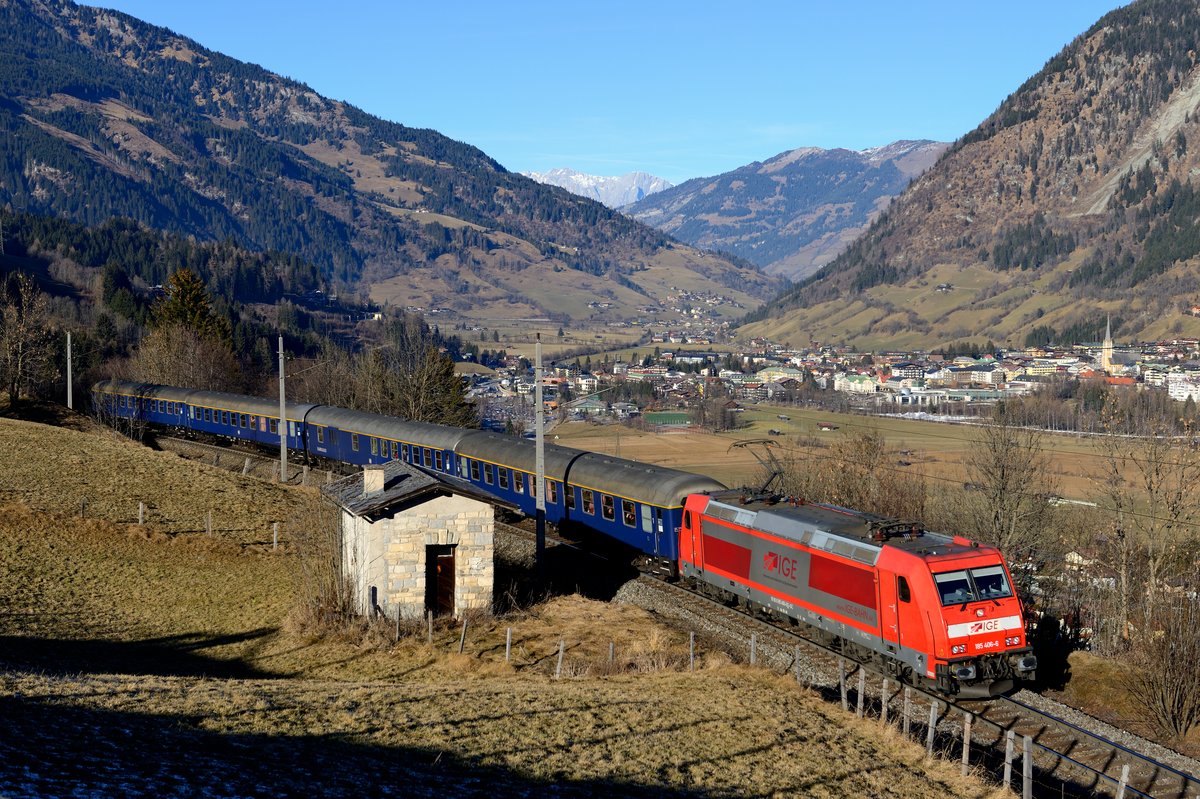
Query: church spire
point(1106, 349)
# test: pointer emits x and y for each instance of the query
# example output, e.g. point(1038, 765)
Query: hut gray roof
point(403, 486)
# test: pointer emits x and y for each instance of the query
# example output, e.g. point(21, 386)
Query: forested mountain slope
point(1075, 199)
point(102, 115)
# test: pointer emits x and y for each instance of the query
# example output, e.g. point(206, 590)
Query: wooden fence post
point(141, 513)
point(612, 652)
point(275, 545)
point(862, 691)
point(462, 638)
point(429, 624)
point(246, 467)
point(883, 703)
point(842, 683)
point(907, 709)
point(753, 648)
point(397, 625)
point(1008, 758)
point(1124, 781)
point(966, 743)
point(932, 729)
point(558, 668)
point(796, 661)
point(1027, 770)
point(508, 645)
point(692, 650)
point(208, 523)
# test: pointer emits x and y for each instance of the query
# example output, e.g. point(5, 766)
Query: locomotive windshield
point(972, 585)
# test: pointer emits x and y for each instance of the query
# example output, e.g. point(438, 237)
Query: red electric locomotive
point(927, 608)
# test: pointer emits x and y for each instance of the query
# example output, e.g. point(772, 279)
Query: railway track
point(1071, 757)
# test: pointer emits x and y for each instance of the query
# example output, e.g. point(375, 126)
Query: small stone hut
point(414, 541)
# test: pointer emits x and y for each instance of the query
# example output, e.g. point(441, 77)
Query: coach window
point(320, 435)
point(195, 412)
point(428, 457)
point(504, 473)
point(628, 513)
point(902, 589)
point(487, 473)
point(225, 418)
point(475, 471)
point(273, 426)
point(404, 452)
point(395, 450)
point(647, 519)
point(551, 492)
point(570, 496)
point(245, 420)
point(437, 460)
point(354, 441)
point(374, 446)
point(208, 416)
point(608, 507)
point(253, 422)
point(519, 481)
point(589, 504)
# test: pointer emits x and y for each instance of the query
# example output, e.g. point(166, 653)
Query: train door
point(889, 607)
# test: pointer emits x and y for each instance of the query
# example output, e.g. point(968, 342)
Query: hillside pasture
point(175, 661)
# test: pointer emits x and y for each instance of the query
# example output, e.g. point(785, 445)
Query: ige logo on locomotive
point(785, 567)
point(989, 626)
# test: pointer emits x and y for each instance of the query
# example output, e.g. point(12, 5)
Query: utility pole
point(283, 475)
point(70, 387)
point(540, 462)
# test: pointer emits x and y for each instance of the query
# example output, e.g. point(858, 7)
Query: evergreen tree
point(187, 304)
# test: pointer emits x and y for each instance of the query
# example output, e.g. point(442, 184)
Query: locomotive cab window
point(990, 582)
point(954, 587)
point(628, 513)
point(902, 589)
point(608, 507)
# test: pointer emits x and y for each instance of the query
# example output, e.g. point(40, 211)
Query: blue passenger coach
point(636, 503)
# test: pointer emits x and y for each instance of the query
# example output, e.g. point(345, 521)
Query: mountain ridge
point(793, 212)
point(1075, 199)
point(613, 191)
point(106, 115)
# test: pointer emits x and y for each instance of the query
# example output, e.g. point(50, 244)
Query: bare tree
point(1164, 658)
point(1010, 472)
point(26, 341)
point(1148, 478)
point(179, 356)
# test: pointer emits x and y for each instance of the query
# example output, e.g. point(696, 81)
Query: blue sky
point(677, 89)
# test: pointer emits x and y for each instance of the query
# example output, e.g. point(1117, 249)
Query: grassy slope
point(170, 657)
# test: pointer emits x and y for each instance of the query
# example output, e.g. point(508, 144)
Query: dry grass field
point(155, 660)
point(934, 450)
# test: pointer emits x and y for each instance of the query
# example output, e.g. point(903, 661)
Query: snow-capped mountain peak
point(612, 190)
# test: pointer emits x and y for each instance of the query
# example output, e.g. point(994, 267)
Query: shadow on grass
point(175, 655)
point(50, 748)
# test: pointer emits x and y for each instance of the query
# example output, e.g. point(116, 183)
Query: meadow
point(156, 659)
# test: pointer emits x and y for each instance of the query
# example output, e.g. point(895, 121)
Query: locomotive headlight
point(1012, 640)
point(979, 612)
point(958, 649)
